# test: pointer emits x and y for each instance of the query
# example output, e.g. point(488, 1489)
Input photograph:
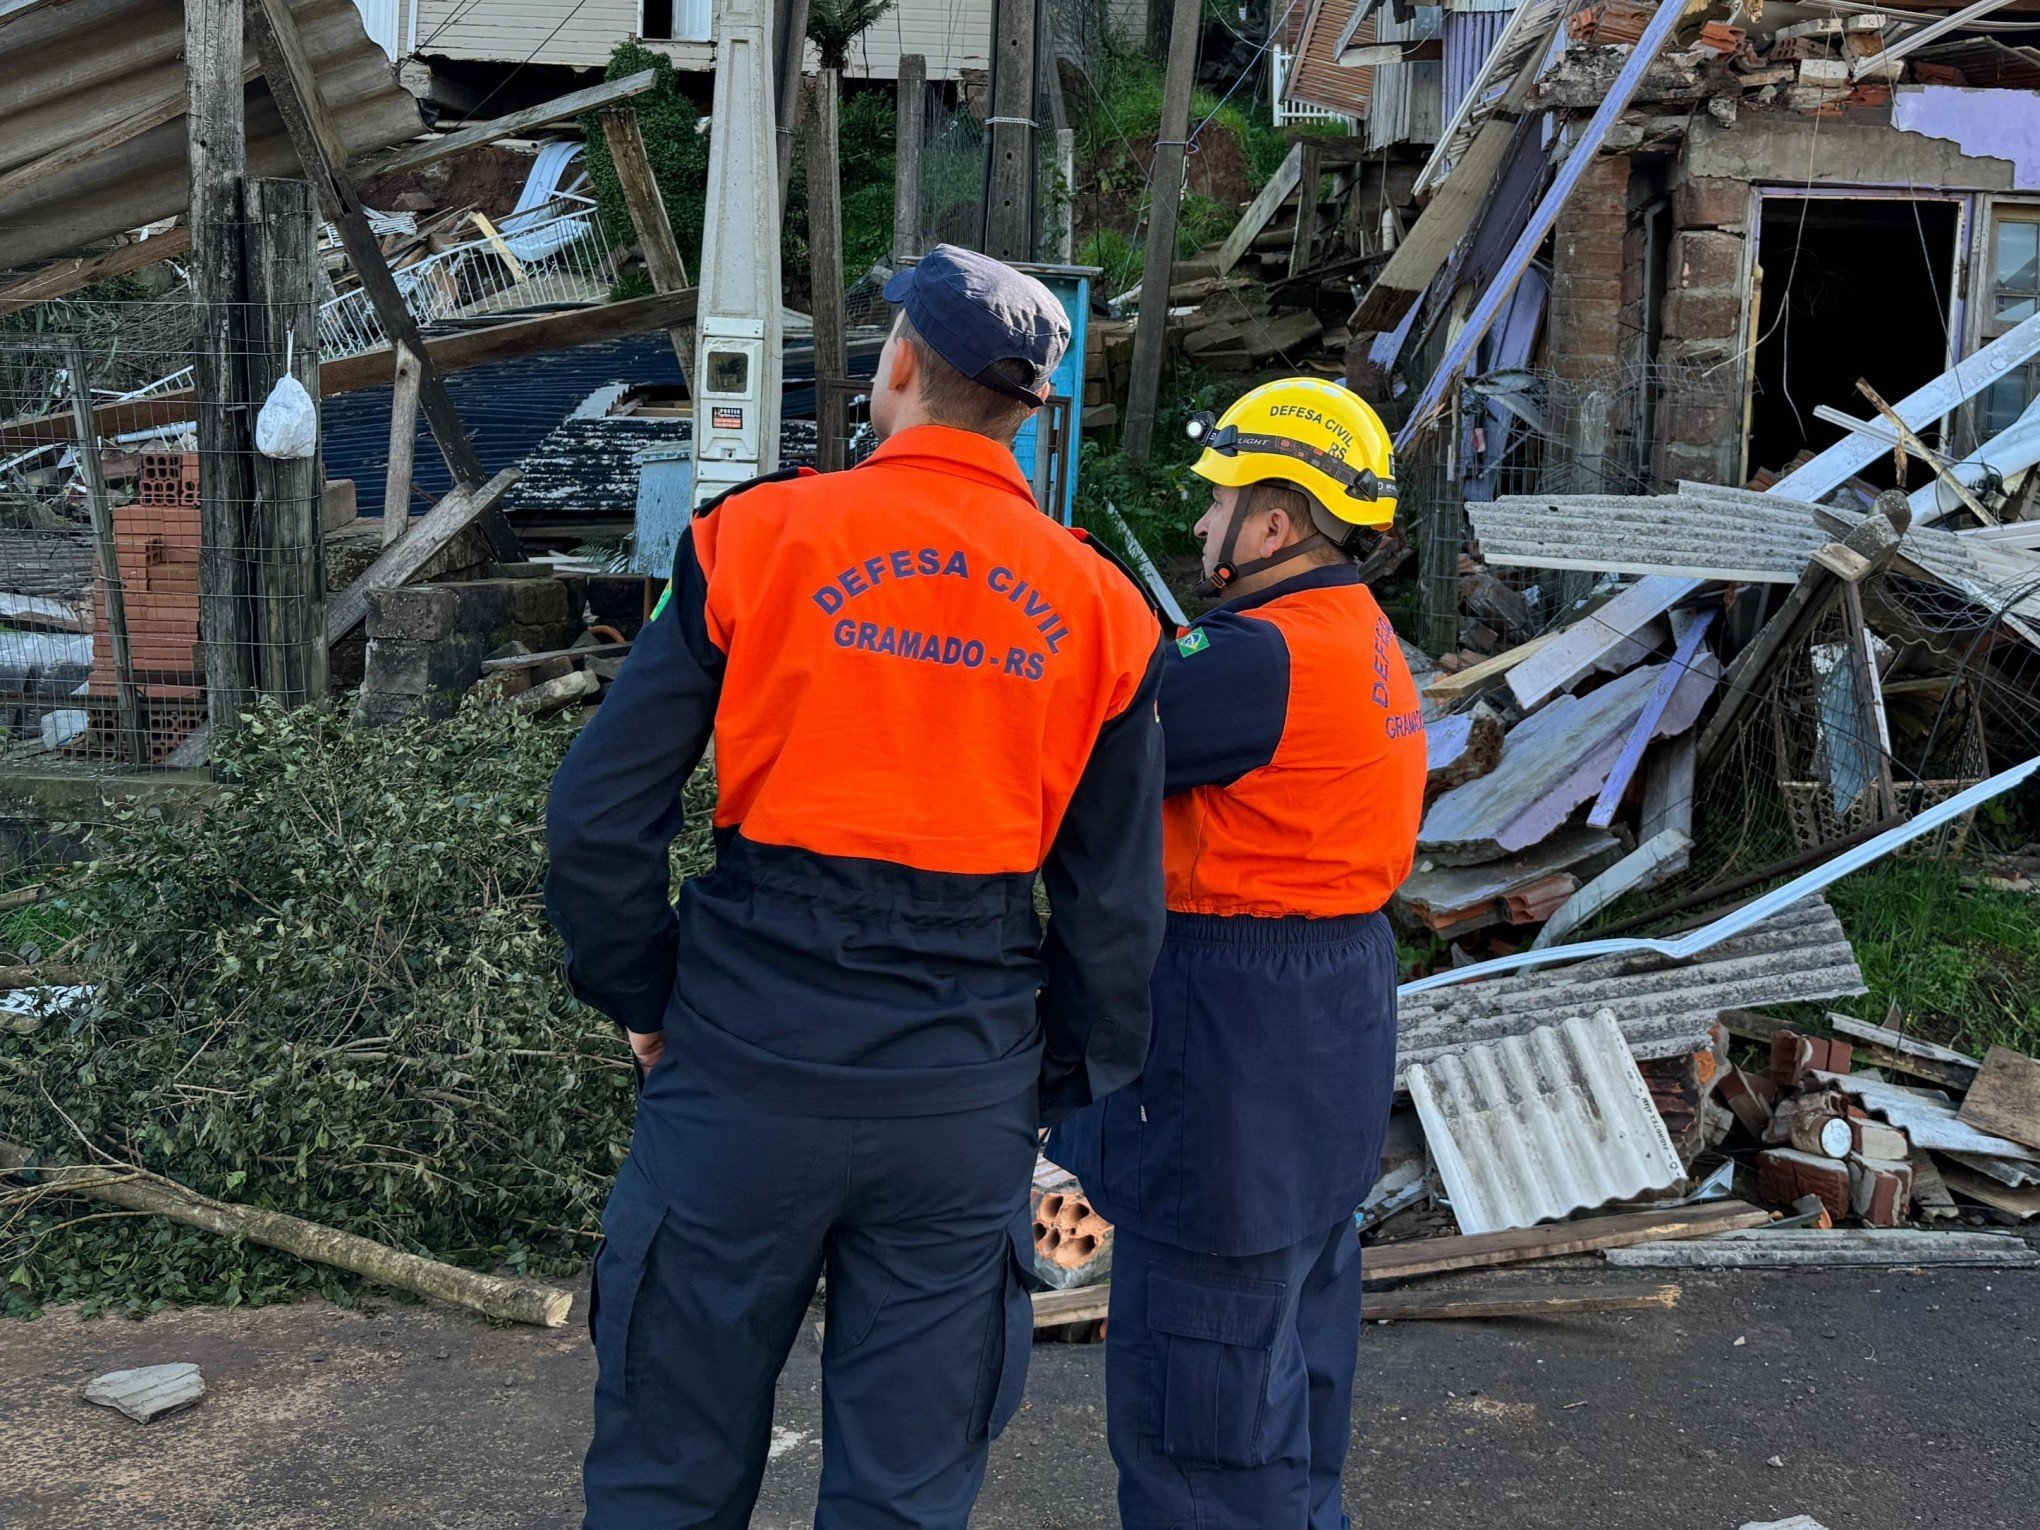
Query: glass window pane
point(2011, 310)
point(2018, 256)
point(2005, 401)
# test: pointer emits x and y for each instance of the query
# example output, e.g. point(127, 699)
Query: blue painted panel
point(1073, 291)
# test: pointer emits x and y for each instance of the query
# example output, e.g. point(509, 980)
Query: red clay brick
point(1785, 1174)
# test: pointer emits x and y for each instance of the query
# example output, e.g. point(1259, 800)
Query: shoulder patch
point(780, 475)
point(1192, 642)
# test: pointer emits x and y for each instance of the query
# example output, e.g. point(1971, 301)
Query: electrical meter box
point(729, 418)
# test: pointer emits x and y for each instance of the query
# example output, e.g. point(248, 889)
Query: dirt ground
point(1871, 1400)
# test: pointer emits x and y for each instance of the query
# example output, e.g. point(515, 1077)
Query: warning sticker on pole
point(723, 417)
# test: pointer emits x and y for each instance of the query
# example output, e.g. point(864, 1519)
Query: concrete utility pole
point(1009, 147)
point(1166, 191)
point(739, 363)
point(217, 136)
point(910, 127)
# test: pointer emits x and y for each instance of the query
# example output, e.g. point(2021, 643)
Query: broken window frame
point(1985, 325)
point(693, 21)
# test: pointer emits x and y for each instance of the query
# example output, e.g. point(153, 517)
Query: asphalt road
point(1870, 1400)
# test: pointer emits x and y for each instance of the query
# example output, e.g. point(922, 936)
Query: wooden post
point(789, 55)
point(825, 227)
point(396, 504)
point(1304, 243)
point(1066, 194)
point(663, 261)
point(294, 87)
point(283, 334)
point(127, 700)
point(1009, 147)
point(1166, 183)
point(217, 154)
point(910, 127)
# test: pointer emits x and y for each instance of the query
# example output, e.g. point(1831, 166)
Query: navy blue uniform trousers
point(1230, 1170)
point(721, 1222)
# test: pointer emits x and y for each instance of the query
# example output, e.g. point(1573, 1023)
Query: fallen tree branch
point(510, 1299)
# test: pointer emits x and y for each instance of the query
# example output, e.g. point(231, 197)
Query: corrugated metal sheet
point(78, 67)
point(1406, 94)
point(1316, 79)
point(1532, 1127)
point(1665, 1008)
point(1469, 37)
point(1707, 532)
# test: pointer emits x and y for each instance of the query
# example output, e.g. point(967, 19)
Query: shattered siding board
point(1457, 895)
point(1601, 632)
point(1928, 1117)
point(1552, 761)
point(1663, 1007)
point(1528, 1128)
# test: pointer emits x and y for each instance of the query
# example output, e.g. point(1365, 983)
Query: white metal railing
point(1286, 112)
point(554, 254)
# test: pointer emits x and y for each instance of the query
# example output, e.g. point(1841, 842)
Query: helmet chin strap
point(1227, 571)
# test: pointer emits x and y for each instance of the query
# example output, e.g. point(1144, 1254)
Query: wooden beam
point(127, 700)
point(910, 125)
point(293, 85)
point(1085, 1304)
point(1303, 242)
point(430, 151)
point(396, 511)
point(825, 227)
point(455, 352)
point(216, 150)
point(1165, 182)
point(63, 277)
point(1461, 681)
point(664, 263)
point(1435, 1256)
point(397, 565)
point(1602, 814)
point(1287, 177)
point(288, 581)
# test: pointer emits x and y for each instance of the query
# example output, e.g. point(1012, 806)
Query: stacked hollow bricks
point(156, 542)
point(1067, 1231)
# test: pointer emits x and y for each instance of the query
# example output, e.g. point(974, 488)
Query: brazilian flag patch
point(1193, 641)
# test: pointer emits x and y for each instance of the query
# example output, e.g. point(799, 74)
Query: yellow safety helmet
point(1315, 434)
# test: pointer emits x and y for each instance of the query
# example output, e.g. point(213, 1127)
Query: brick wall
point(1588, 258)
point(1700, 422)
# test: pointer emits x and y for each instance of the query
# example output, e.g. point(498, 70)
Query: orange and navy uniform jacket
point(1296, 754)
point(1296, 763)
point(923, 694)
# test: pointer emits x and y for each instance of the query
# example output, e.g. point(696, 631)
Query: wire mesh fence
point(139, 573)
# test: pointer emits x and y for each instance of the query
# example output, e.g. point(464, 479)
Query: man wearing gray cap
point(925, 694)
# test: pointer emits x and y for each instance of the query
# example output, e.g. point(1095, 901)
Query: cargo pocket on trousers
point(1002, 1367)
point(628, 1228)
point(1215, 1343)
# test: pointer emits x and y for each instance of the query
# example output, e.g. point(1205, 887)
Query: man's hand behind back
point(648, 1047)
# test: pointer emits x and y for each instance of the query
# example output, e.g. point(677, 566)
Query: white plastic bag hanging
point(288, 426)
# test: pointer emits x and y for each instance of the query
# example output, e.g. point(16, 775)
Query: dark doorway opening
point(1850, 289)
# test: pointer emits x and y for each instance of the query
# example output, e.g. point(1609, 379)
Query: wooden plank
point(1267, 201)
point(825, 227)
point(664, 263)
point(910, 127)
point(1593, 637)
point(1303, 239)
point(127, 700)
point(456, 352)
point(1602, 814)
point(63, 277)
point(1009, 166)
point(1833, 1248)
point(415, 156)
point(2021, 1202)
point(395, 567)
point(2005, 1099)
point(1435, 1256)
point(503, 251)
point(1908, 1054)
point(396, 514)
point(1445, 687)
point(1910, 442)
point(532, 660)
point(1551, 1301)
point(1086, 1304)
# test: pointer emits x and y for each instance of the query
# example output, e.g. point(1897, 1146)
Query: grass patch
point(1961, 963)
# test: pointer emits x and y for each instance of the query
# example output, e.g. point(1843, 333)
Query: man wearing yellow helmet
point(1295, 767)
